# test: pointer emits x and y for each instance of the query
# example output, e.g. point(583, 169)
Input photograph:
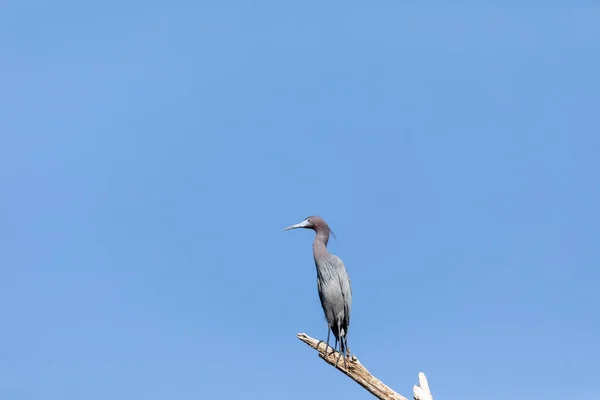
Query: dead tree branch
point(356, 371)
point(422, 391)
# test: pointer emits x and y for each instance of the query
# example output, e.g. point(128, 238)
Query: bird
point(333, 284)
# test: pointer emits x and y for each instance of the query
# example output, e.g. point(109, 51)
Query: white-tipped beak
point(300, 225)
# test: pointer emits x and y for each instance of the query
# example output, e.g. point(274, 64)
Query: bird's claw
point(327, 347)
point(338, 360)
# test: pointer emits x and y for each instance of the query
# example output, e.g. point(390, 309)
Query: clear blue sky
point(152, 152)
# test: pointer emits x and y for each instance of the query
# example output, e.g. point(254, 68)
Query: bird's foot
point(338, 360)
point(327, 347)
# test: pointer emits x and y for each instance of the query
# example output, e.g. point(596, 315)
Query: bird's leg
point(343, 349)
point(346, 351)
point(338, 359)
point(346, 346)
point(345, 360)
point(327, 346)
point(335, 345)
point(341, 346)
point(332, 350)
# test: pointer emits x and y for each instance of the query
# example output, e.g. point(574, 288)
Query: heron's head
point(313, 222)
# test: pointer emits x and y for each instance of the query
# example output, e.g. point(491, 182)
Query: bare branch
point(355, 371)
point(422, 391)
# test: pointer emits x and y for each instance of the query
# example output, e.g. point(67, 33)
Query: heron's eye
point(307, 219)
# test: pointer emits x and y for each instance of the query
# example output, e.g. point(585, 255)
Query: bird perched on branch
point(333, 284)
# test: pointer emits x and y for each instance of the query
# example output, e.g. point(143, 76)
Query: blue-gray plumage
point(333, 284)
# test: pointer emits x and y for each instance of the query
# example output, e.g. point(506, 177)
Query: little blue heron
point(333, 284)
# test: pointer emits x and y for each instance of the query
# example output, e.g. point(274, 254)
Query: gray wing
point(334, 291)
point(346, 287)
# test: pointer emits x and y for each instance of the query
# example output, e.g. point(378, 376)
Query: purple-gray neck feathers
point(320, 243)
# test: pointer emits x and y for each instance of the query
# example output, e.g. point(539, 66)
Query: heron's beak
point(300, 225)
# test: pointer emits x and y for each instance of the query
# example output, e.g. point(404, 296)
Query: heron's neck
point(320, 244)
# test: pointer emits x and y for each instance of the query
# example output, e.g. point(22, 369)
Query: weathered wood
point(422, 391)
point(355, 370)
